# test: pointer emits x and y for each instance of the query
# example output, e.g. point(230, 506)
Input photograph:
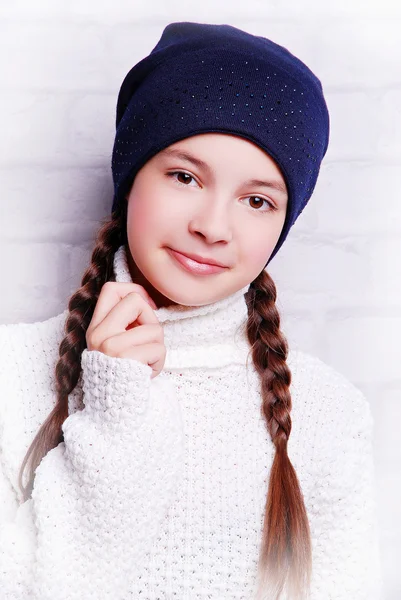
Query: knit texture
point(158, 490)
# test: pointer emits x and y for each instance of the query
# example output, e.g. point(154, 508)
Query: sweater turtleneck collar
point(199, 336)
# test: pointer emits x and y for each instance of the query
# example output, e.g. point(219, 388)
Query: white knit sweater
point(159, 489)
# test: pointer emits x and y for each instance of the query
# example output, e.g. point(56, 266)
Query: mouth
point(193, 266)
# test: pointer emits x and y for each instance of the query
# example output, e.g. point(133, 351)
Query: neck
point(208, 335)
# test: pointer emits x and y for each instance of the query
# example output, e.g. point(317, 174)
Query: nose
point(212, 220)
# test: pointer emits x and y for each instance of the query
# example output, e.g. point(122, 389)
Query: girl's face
point(197, 197)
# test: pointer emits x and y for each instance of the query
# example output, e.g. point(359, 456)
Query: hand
point(124, 325)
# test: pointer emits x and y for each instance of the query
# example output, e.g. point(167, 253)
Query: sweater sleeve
point(345, 535)
point(17, 543)
point(100, 496)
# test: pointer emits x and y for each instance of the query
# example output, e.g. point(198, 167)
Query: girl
point(163, 465)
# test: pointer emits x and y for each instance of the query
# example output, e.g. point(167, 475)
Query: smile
point(192, 266)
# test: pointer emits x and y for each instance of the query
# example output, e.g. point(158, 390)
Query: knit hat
point(217, 78)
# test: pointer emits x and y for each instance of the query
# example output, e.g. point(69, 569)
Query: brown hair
point(285, 554)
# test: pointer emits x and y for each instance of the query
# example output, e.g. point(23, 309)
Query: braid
point(81, 307)
point(286, 546)
point(285, 556)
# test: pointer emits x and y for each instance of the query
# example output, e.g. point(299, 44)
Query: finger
point(141, 335)
point(110, 295)
point(132, 308)
point(151, 354)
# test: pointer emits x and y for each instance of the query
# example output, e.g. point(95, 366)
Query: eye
point(186, 177)
point(270, 204)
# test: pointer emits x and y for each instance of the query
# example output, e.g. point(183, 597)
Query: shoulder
point(333, 425)
point(327, 395)
point(18, 337)
point(28, 351)
point(28, 356)
point(313, 371)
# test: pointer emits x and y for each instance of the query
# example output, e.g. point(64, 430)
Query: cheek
point(257, 246)
point(143, 216)
point(262, 238)
point(256, 254)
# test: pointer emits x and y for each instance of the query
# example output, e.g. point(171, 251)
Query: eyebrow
point(187, 156)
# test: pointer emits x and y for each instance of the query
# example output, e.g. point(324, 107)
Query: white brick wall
point(338, 274)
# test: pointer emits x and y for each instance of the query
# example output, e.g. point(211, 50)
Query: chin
point(184, 300)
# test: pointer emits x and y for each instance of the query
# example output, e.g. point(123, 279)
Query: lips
point(193, 266)
point(202, 260)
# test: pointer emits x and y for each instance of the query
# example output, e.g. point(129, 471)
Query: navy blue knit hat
point(217, 78)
